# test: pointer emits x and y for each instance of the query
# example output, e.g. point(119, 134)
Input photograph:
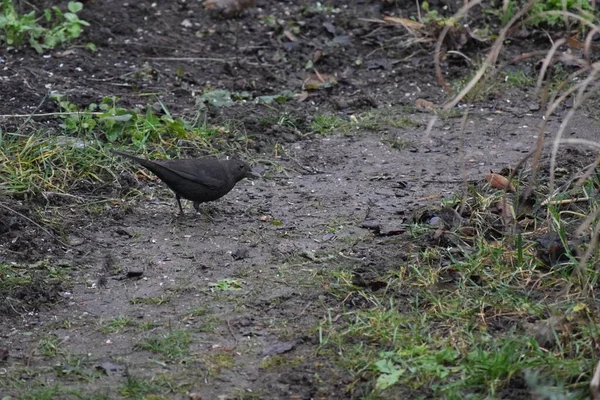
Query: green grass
point(375, 120)
point(33, 162)
point(117, 324)
point(173, 345)
point(226, 285)
point(142, 388)
point(27, 287)
point(468, 320)
point(157, 301)
point(327, 123)
point(218, 361)
point(50, 346)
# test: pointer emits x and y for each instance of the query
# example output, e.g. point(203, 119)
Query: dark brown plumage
point(196, 179)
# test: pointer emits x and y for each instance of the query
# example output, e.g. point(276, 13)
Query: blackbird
point(196, 179)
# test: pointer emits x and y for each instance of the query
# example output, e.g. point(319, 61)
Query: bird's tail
point(139, 160)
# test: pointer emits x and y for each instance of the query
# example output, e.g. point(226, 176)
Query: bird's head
point(241, 170)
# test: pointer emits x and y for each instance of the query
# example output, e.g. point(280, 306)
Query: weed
point(218, 361)
point(117, 324)
point(208, 324)
point(199, 312)
point(50, 346)
point(109, 121)
point(327, 123)
point(280, 360)
point(225, 285)
point(150, 300)
point(461, 331)
point(16, 29)
point(543, 12)
point(138, 388)
point(173, 345)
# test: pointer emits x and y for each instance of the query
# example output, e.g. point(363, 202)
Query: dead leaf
point(504, 209)
point(408, 24)
point(66, 53)
point(300, 97)
point(498, 181)
point(329, 27)
point(290, 36)
point(317, 56)
point(318, 81)
point(228, 8)
point(468, 231)
point(423, 105)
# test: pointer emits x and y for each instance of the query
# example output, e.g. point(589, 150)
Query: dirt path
point(232, 305)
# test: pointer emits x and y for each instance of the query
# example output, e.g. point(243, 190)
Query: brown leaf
point(300, 97)
point(408, 24)
point(504, 209)
point(228, 8)
point(318, 81)
point(499, 182)
point(424, 105)
point(290, 36)
point(317, 56)
point(468, 231)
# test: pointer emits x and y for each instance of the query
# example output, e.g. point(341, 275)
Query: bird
point(197, 179)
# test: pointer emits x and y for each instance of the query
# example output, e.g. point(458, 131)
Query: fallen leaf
point(468, 231)
point(498, 181)
point(405, 22)
point(329, 27)
point(504, 209)
point(423, 105)
point(318, 81)
point(228, 8)
point(300, 97)
point(316, 56)
point(290, 36)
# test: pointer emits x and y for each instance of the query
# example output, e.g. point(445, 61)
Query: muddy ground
point(248, 287)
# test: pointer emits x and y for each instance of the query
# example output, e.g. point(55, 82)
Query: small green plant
point(157, 301)
point(141, 388)
point(172, 345)
point(433, 17)
point(225, 98)
point(119, 124)
point(547, 12)
point(225, 285)
point(17, 29)
point(326, 123)
point(540, 10)
point(50, 346)
point(117, 324)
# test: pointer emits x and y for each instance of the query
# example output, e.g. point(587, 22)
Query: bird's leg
point(178, 197)
point(197, 206)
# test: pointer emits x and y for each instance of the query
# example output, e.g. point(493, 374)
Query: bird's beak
point(252, 174)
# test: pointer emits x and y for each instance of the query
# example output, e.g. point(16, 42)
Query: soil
point(337, 200)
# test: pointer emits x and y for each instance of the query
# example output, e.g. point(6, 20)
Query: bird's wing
point(204, 172)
